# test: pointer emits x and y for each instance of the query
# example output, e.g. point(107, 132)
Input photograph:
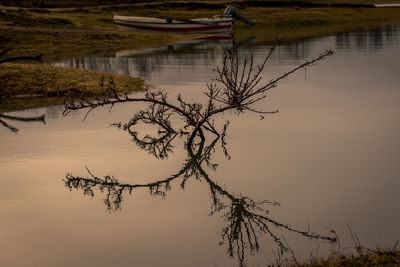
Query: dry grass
point(298, 23)
point(354, 257)
point(361, 258)
point(44, 80)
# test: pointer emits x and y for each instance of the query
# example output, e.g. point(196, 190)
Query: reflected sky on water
point(329, 157)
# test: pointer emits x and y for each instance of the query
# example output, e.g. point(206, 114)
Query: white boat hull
point(204, 25)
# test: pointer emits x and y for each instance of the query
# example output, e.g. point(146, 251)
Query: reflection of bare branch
point(159, 147)
point(239, 88)
point(114, 189)
point(17, 58)
point(246, 219)
point(23, 119)
point(11, 128)
point(20, 119)
point(5, 51)
point(154, 115)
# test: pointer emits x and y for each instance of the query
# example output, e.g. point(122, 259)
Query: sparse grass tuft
point(377, 257)
point(357, 256)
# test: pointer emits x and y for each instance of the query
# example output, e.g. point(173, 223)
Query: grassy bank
point(298, 22)
point(44, 80)
point(26, 86)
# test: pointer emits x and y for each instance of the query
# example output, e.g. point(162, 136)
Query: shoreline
point(61, 33)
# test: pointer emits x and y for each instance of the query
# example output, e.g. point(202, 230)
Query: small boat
point(216, 25)
point(173, 25)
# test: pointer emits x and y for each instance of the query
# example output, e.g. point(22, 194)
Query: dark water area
point(327, 160)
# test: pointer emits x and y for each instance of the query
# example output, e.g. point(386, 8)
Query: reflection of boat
point(217, 24)
point(163, 62)
point(201, 43)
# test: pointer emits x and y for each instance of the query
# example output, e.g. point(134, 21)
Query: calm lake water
point(330, 157)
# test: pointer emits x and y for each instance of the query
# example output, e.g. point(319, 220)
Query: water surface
point(329, 157)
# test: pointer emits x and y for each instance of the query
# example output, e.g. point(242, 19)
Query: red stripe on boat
point(202, 28)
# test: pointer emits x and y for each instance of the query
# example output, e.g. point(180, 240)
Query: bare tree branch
point(238, 87)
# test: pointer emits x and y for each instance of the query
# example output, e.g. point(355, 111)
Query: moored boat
point(220, 24)
point(172, 25)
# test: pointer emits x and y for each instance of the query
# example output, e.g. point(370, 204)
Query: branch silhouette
point(238, 86)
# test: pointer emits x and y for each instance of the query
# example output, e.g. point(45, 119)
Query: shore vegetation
point(25, 86)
